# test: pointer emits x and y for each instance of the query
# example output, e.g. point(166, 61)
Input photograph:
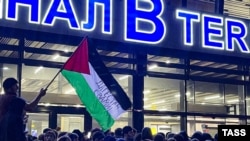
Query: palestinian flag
point(105, 107)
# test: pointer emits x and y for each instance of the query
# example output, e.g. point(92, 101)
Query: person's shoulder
point(20, 100)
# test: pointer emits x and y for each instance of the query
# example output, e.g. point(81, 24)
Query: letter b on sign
point(239, 132)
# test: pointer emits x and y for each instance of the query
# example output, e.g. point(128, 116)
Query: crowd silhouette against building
point(126, 133)
point(13, 119)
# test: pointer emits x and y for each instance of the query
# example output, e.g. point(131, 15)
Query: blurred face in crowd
point(131, 134)
point(49, 137)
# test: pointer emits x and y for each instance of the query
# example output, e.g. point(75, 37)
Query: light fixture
point(47, 104)
point(38, 69)
point(56, 56)
point(152, 67)
point(211, 97)
point(70, 91)
point(146, 106)
point(232, 101)
point(159, 102)
point(146, 92)
point(177, 95)
point(5, 68)
point(123, 77)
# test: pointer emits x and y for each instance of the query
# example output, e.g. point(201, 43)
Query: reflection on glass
point(161, 94)
point(70, 122)
point(162, 123)
point(208, 124)
point(36, 123)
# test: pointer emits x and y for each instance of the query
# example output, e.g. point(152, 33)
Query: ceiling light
point(211, 97)
point(165, 117)
point(47, 104)
point(123, 77)
point(146, 106)
point(152, 67)
point(38, 69)
point(159, 102)
point(5, 68)
point(232, 101)
point(70, 91)
point(56, 56)
point(78, 106)
point(146, 92)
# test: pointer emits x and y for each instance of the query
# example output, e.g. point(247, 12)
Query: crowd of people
point(13, 119)
point(127, 133)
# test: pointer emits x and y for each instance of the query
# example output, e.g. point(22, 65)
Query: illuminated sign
point(64, 10)
point(139, 21)
point(151, 15)
point(213, 31)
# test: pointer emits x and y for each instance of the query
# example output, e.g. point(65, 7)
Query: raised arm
point(33, 104)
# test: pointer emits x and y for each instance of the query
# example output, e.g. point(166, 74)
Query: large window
point(233, 95)
point(162, 124)
point(161, 94)
point(37, 123)
point(248, 101)
point(70, 122)
point(59, 92)
point(208, 98)
point(208, 124)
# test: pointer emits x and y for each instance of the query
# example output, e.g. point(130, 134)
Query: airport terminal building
point(183, 63)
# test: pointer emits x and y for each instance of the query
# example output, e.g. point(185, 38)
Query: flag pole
point(63, 65)
point(54, 77)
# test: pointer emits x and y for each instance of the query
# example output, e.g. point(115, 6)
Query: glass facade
point(165, 88)
point(70, 122)
point(37, 122)
point(170, 89)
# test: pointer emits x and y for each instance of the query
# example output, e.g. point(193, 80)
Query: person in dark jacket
point(13, 111)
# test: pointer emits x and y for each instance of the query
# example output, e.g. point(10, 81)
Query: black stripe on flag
point(107, 78)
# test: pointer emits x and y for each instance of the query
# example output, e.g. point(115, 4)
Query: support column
point(52, 120)
point(191, 99)
point(130, 95)
point(219, 6)
point(1, 77)
point(138, 87)
point(183, 105)
point(183, 97)
point(87, 122)
point(222, 92)
point(242, 98)
point(20, 61)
